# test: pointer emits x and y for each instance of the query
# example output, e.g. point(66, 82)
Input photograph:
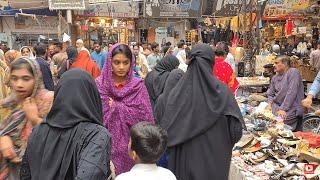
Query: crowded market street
point(161, 90)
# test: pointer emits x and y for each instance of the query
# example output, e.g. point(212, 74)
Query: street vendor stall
point(270, 150)
point(252, 84)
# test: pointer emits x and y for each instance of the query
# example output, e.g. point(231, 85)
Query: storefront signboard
point(278, 8)
point(113, 9)
point(223, 8)
point(67, 4)
point(300, 4)
point(173, 8)
point(42, 23)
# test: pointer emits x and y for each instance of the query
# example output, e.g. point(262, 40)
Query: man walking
point(98, 55)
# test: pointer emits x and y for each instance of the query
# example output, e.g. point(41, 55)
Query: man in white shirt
point(147, 144)
point(181, 55)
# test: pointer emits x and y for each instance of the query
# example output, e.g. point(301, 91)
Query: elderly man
point(11, 55)
point(286, 92)
point(80, 45)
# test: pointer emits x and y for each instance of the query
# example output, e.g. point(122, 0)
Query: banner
point(67, 4)
point(278, 8)
point(20, 4)
point(300, 4)
point(223, 8)
point(173, 8)
point(113, 9)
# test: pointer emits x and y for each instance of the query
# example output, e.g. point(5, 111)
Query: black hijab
point(156, 79)
point(76, 99)
point(197, 101)
point(72, 54)
point(171, 82)
point(54, 145)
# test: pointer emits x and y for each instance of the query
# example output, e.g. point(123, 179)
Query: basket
point(308, 73)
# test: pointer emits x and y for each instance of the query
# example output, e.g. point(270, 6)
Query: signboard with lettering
point(43, 23)
point(173, 8)
point(224, 8)
point(113, 9)
point(67, 4)
point(300, 4)
point(277, 8)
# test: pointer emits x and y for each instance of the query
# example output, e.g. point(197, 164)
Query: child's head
point(147, 143)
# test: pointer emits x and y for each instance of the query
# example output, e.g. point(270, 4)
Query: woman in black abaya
point(72, 142)
point(203, 121)
point(156, 79)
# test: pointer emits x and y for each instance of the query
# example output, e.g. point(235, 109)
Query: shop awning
point(26, 4)
point(282, 17)
point(40, 11)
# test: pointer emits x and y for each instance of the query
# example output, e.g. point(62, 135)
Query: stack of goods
point(252, 81)
point(263, 60)
point(270, 150)
point(307, 72)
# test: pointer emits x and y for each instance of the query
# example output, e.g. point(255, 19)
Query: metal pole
point(59, 26)
point(257, 27)
point(244, 14)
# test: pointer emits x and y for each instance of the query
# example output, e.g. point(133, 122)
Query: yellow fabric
point(234, 24)
point(4, 89)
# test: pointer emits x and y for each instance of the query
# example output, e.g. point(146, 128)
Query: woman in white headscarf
point(27, 52)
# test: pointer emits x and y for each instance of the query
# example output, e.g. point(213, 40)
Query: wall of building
point(46, 26)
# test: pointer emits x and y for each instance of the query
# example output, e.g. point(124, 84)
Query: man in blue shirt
point(314, 90)
point(154, 57)
point(44, 67)
point(98, 55)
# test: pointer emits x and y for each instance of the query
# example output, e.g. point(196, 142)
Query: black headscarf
point(156, 79)
point(72, 53)
point(197, 101)
point(172, 81)
point(55, 143)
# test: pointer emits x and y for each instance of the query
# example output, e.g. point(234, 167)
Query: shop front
point(25, 30)
point(170, 21)
point(107, 22)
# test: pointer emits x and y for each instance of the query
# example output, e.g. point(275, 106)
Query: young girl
point(125, 102)
point(24, 108)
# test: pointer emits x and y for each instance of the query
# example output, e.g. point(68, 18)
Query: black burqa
point(60, 147)
point(203, 121)
point(72, 54)
point(156, 79)
point(171, 82)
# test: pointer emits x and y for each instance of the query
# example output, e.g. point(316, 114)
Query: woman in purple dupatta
point(125, 102)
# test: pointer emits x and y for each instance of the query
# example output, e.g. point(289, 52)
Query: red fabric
point(235, 40)
point(289, 28)
point(313, 139)
point(224, 72)
point(83, 61)
point(120, 86)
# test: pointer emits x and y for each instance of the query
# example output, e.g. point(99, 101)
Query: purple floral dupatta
point(130, 105)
